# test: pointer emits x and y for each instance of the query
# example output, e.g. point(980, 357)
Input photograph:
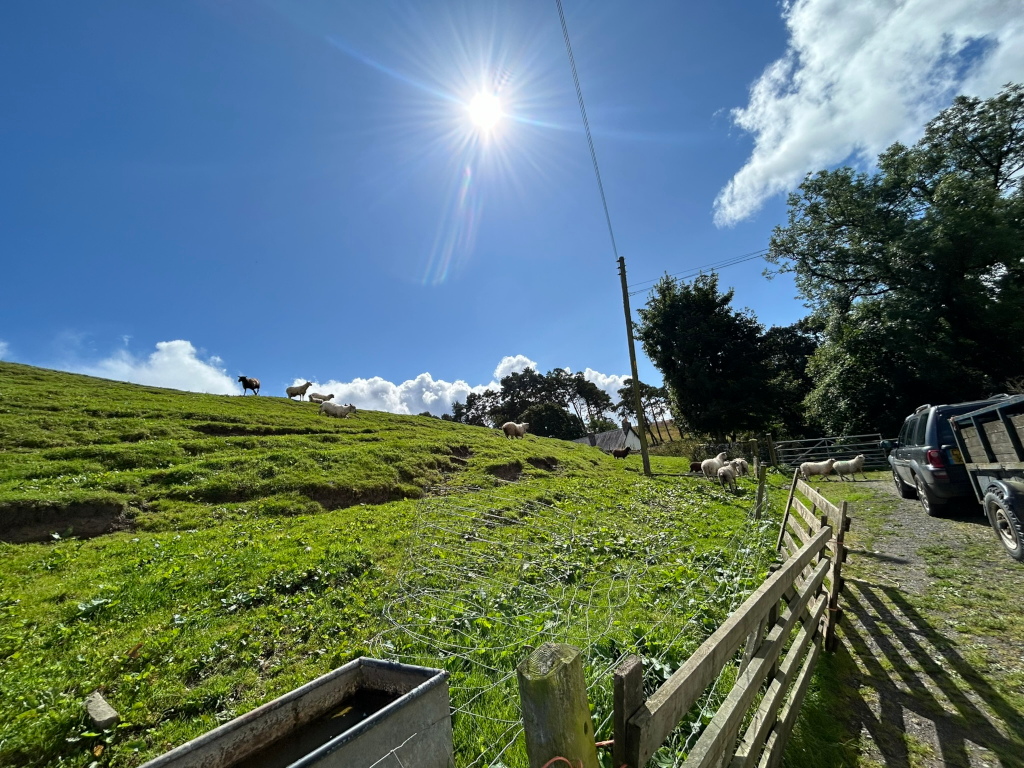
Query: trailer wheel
point(905, 491)
point(1006, 523)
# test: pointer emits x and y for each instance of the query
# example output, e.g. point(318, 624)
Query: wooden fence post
point(773, 457)
point(628, 698)
point(762, 473)
point(556, 716)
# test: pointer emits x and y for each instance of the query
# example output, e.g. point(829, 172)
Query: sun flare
point(485, 111)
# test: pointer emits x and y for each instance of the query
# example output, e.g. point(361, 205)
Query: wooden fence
point(789, 617)
point(792, 453)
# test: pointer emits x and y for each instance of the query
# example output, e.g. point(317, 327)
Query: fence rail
point(792, 453)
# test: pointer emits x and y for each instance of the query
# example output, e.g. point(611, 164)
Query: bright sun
point(485, 111)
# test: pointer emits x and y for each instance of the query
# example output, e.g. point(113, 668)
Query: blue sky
point(195, 190)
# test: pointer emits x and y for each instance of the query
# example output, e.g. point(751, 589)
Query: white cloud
point(4, 349)
point(609, 382)
point(424, 393)
point(175, 364)
point(861, 74)
point(513, 364)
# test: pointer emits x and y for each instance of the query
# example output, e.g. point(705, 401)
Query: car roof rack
point(924, 407)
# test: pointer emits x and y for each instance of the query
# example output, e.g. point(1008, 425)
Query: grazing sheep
point(247, 383)
point(741, 467)
point(300, 391)
point(695, 466)
point(621, 453)
point(727, 476)
point(822, 468)
point(511, 429)
point(316, 397)
point(337, 409)
point(710, 467)
point(850, 467)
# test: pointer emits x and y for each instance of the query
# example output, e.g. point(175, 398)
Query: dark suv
point(924, 459)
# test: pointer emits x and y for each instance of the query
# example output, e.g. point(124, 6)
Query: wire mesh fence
point(492, 576)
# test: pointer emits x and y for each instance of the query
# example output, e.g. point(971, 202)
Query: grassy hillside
point(193, 556)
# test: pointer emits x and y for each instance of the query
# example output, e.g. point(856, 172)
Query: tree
point(551, 420)
point(788, 351)
point(915, 272)
point(710, 355)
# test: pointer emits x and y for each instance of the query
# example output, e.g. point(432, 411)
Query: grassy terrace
point(193, 556)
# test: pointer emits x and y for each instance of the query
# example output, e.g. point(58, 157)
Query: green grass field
point(193, 556)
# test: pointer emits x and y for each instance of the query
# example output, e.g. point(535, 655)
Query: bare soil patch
point(37, 521)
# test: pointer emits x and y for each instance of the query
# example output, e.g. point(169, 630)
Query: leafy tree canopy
point(709, 354)
point(916, 271)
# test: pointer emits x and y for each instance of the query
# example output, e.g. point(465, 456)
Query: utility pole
point(641, 425)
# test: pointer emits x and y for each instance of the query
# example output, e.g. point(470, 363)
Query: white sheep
point(727, 476)
point(316, 397)
point(822, 468)
point(337, 409)
point(850, 467)
point(300, 391)
point(511, 429)
point(741, 467)
point(710, 467)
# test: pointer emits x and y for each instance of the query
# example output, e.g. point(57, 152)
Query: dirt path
point(932, 657)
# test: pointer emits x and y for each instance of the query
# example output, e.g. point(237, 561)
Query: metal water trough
point(366, 713)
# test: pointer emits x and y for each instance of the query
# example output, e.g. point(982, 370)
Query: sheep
point(337, 409)
point(850, 467)
point(511, 429)
point(621, 453)
point(741, 467)
point(727, 476)
point(300, 391)
point(247, 383)
point(316, 397)
point(710, 467)
point(695, 466)
point(822, 468)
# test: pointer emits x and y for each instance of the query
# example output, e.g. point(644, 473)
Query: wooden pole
point(773, 457)
point(762, 473)
point(632, 364)
point(785, 515)
point(628, 698)
point(556, 716)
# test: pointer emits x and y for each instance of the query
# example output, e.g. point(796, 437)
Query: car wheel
point(904, 490)
point(1006, 523)
point(928, 501)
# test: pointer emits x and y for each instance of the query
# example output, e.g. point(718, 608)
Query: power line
point(731, 262)
point(586, 125)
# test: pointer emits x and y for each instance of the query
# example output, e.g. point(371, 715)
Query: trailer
point(990, 441)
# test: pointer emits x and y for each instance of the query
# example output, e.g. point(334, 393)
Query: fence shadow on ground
point(914, 692)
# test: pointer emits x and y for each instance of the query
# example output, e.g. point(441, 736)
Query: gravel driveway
point(932, 658)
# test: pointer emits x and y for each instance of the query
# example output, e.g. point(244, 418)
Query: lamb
point(316, 397)
point(511, 429)
point(741, 467)
point(621, 453)
point(727, 476)
point(850, 467)
point(710, 467)
point(337, 409)
point(822, 468)
point(695, 466)
point(300, 391)
point(247, 383)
